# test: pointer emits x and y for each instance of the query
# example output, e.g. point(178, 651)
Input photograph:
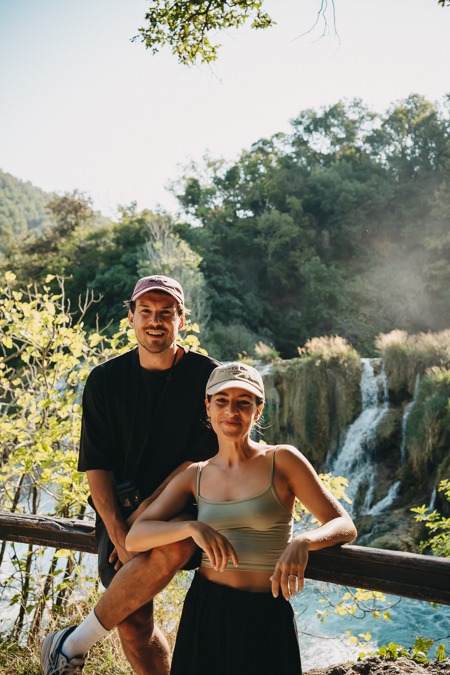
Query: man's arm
point(101, 485)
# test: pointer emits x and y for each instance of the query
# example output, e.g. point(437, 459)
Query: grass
point(106, 658)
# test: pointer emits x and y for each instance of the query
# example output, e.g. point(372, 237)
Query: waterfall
point(384, 503)
point(354, 459)
point(406, 412)
point(432, 504)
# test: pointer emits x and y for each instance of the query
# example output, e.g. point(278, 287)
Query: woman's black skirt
point(225, 631)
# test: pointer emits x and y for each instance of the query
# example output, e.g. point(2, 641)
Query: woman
point(235, 619)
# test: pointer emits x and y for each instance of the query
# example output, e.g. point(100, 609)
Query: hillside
point(337, 228)
point(22, 207)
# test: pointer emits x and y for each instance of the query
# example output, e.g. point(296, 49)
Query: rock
point(376, 665)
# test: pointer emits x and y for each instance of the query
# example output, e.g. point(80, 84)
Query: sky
point(83, 107)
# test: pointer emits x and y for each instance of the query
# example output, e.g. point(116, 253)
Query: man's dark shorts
point(105, 547)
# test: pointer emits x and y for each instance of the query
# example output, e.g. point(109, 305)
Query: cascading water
point(354, 458)
point(406, 412)
point(384, 503)
point(432, 504)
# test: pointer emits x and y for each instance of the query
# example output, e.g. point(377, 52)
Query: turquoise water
point(324, 643)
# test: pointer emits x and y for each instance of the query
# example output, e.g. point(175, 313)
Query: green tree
point(52, 250)
point(339, 227)
point(165, 252)
point(188, 28)
point(23, 209)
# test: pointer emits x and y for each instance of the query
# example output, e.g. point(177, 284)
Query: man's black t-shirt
point(142, 424)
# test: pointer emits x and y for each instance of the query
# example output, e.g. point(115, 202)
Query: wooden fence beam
point(406, 574)
point(76, 535)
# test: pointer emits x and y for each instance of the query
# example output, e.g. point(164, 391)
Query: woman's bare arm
point(295, 475)
point(155, 527)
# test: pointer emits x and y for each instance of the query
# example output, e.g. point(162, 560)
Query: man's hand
point(120, 556)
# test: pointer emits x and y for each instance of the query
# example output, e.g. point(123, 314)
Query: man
point(143, 422)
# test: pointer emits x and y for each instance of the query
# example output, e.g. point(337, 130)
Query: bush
point(406, 356)
point(332, 350)
point(437, 525)
point(428, 427)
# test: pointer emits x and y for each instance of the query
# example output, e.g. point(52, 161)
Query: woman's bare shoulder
point(288, 457)
point(285, 450)
point(188, 476)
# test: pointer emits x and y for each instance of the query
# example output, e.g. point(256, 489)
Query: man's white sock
point(85, 636)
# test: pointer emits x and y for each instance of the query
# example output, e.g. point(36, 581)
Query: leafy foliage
point(266, 353)
point(330, 350)
point(418, 653)
point(337, 486)
point(429, 421)
point(437, 525)
point(45, 358)
point(406, 356)
point(418, 368)
point(51, 250)
point(186, 27)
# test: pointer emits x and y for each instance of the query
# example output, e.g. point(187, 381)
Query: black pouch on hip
point(128, 496)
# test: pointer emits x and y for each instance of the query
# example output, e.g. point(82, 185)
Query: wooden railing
point(405, 574)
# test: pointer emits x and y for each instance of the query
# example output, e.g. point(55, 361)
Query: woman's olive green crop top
point(258, 527)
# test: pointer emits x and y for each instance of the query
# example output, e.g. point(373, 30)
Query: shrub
point(405, 356)
point(437, 525)
point(429, 421)
point(330, 350)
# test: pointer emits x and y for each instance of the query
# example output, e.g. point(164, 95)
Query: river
point(325, 643)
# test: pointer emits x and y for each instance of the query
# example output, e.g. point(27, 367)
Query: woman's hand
point(216, 546)
point(289, 573)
